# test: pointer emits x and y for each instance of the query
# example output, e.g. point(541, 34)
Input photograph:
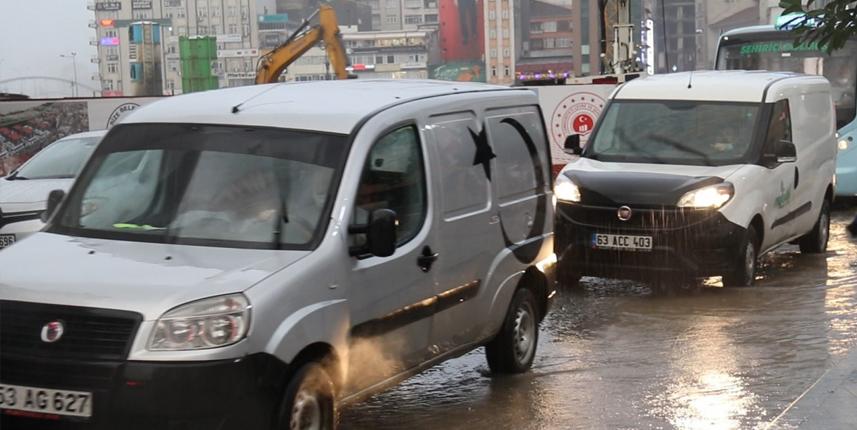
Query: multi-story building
point(393, 15)
point(499, 41)
point(376, 54)
point(233, 22)
point(548, 41)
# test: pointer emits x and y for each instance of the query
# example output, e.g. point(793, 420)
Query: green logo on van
point(785, 196)
point(777, 46)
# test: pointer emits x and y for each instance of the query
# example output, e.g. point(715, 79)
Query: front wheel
point(514, 348)
point(815, 242)
point(743, 273)
point(308, 403)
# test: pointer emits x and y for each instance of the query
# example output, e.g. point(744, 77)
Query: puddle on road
point(619, 357)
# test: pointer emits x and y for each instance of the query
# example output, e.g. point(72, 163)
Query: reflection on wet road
point(618, 356)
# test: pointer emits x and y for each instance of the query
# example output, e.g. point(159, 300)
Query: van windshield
point(207, 185)
point(675, 132)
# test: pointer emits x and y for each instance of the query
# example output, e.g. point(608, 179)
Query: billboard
point(27, 126)
point(462, 41)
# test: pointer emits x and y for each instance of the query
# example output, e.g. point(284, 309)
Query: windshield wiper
point(680, 146)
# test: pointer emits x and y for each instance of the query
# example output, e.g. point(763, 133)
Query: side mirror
point(786, 152)
point(54, 199)
point(572, 145)
point(380, 234)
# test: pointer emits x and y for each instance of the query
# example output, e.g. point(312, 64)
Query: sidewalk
point(830, 403)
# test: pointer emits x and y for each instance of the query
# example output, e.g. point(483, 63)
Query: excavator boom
point(272, 64)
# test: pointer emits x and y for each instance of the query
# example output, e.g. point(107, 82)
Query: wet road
point(620, 357)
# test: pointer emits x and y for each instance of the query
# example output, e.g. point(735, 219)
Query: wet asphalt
point(618, 356)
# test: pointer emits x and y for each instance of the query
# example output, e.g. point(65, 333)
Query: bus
point(772, 47)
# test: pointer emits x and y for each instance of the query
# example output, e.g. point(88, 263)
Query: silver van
point(258, 256)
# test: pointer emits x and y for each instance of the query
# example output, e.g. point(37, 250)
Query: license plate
point(621, 241)
point(45, 401)
point(6, 240)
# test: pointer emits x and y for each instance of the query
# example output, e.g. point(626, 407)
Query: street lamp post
point(73, 56)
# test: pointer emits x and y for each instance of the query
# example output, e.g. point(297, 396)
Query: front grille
point(89, 334)
point(57, 374)
point(642, 219)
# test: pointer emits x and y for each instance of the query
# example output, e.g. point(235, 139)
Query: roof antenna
point(237, 108)
point(690, 80)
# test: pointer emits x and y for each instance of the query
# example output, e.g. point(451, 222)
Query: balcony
point(90, 6)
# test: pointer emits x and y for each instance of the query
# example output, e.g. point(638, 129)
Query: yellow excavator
point(272, 64)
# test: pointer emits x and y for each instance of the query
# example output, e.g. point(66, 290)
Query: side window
point(780, 127)
point(394, 178)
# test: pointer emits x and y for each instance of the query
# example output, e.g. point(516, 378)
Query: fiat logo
point(52, 331)
point(624, 213)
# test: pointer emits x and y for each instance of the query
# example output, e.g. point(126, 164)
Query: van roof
point(719, 85)
point(755, 29)
point(327, 106)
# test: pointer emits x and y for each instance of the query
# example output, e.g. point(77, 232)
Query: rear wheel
point(514, 348)
point(815, 242)
point(308, 403)
point(744, 272)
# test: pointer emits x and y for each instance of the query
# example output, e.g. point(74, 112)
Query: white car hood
point(29, 194)
point(142, 277)
point(589, 165)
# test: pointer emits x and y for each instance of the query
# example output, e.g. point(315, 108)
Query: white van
point(277, 250)
point(697, 174)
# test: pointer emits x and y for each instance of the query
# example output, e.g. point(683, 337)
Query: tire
point(308, 402)
point(514, 348)
point(815, 242)
point(744, 272)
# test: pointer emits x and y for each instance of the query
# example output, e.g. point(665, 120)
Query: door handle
point(427, 259)
point(797, 177)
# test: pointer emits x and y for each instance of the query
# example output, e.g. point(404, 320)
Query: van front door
point(392, 298)
point(781, 179)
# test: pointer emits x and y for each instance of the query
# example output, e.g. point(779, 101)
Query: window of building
point(431, 19)
point(413, 19)
point(550, 43)
point(107, 85)
point(494, 72)
point(563, 26)
point(379, 59)
point(492, 14)
point(508, 72)
point(492, 53)
point(413, 4)
point(246, 28)
point(201, 12)
point(506, 12)
point(507, 53)
point(549, 26)
point(215, 11)
point(233, 28)
point(492, 34)
point(563, 42)
point(391, 19)
point(505, 32)
point(391, 59)
point(430, 4)
point(112, 67)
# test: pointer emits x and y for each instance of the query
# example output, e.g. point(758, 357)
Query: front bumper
point(216, 395)
point(692, 243)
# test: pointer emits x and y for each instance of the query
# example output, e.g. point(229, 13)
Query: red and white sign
point(571, 109)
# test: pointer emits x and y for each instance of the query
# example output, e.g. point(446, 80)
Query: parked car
point(24, 192)
point(698, 174)
point(277, 250)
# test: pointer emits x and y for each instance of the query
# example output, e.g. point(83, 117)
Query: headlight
point(566, 190)
point(207, 323)
point(711, 197)
point(843, 144)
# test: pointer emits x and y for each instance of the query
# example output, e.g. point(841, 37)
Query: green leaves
point(829, 26)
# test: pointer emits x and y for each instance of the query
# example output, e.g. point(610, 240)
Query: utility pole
point(73, 56)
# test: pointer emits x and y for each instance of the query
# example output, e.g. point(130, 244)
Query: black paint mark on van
point(417, 311)
point(484, 153)
point(527, 251)
point(793, 215)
